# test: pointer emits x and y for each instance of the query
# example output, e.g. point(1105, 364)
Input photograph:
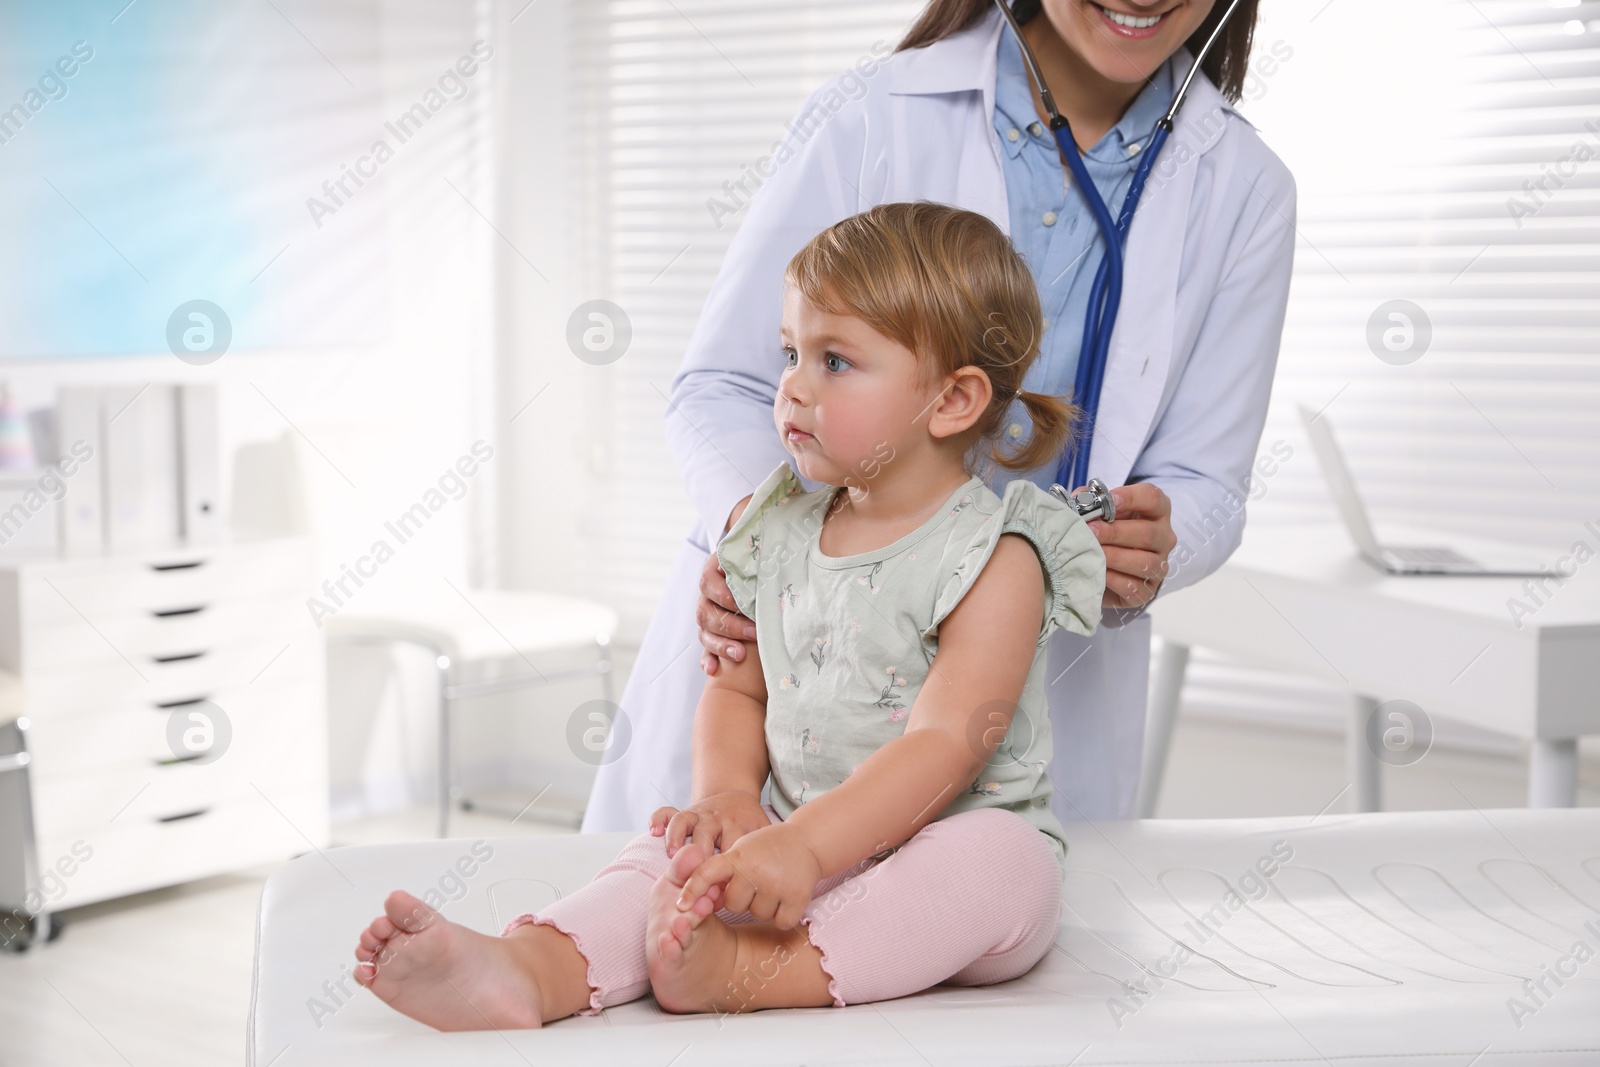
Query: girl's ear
point(967, 392)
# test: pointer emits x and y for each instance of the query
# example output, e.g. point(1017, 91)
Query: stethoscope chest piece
point(1094, 501)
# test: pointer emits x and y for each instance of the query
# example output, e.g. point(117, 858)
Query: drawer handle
point(187, 702)
point(183, 815)
point(187, 566)
point(178, 657)
point(173, 760)
point(173, 612)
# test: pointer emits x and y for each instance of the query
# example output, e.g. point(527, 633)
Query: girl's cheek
point(856, 429)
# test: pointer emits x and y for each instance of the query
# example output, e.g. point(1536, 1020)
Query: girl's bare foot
point(689, 954)
point(698, 963)
point(445, 975)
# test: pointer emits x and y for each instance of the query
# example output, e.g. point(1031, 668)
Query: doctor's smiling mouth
point(1123, 40)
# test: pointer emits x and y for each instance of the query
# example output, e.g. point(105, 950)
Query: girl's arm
point(730, 741)
point(986, 648)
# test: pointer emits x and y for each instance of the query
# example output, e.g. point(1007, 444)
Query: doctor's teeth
point(1130, 21)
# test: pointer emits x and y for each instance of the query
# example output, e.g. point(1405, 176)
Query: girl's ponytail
point(1055, 425)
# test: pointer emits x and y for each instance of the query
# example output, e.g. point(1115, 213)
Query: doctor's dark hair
point(947, 284)
point(1226, 66)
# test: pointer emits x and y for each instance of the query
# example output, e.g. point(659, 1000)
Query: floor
point(164, 978)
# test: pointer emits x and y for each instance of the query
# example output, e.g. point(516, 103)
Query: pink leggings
point(970, 899)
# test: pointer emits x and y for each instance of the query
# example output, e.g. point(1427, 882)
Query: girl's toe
point(406, 912)
point(667, 947)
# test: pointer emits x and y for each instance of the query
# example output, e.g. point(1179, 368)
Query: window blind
point(1444, 152)
point(239, 155)
point(673, 99)
point(1445, 178)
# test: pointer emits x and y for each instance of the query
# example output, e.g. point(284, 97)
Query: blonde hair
point(945, 283)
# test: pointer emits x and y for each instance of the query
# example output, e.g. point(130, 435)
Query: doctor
point(950, 116)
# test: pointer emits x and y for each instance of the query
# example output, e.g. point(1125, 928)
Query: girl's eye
point(833, 361)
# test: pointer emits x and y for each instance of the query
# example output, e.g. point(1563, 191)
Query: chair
point(291, 490)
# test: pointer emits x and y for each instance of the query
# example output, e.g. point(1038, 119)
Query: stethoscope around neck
point(1095, 500)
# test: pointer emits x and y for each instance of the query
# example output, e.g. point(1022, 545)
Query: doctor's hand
point(717, 614)
point(1136, 544)
point(716, 821)
point(770, 873)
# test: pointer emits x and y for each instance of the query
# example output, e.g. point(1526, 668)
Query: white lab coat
point(1186, 385)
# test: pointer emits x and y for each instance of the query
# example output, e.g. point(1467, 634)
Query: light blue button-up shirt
point(1052, 225)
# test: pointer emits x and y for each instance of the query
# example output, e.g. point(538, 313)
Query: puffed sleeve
point(739, 551)
point(1074, 564)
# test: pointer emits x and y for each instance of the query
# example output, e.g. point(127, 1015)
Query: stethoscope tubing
point(1110, 273)
point(1105, 295)
point(1104, 301)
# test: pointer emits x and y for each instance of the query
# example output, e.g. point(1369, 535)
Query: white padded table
point(1388, 938)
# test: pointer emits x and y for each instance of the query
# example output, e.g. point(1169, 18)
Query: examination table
point(1395, 939)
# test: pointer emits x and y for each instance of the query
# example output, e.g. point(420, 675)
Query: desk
point(1502, 653)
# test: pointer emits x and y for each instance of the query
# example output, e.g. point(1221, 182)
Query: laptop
point(1485, 558)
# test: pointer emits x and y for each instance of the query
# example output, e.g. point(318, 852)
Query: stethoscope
point(1095, 500)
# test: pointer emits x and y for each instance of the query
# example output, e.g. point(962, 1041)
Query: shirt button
point(1013, 133)
point(1133, 149)
point(1045, 323)
point(1036, 129)
point(1015, 429)
point(1049, 218)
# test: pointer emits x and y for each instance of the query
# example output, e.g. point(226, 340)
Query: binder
point(141, 466)
point(199, 468)
point(79, 419)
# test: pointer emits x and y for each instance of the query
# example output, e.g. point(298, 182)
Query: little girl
point(894, 693)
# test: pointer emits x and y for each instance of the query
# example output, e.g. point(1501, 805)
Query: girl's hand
point(717, 613)
point(718, 820)
point(770, 873)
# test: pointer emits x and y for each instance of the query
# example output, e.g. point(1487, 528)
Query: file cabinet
point(176, 706)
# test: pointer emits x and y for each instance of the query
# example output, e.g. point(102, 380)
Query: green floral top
point(846, 641)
